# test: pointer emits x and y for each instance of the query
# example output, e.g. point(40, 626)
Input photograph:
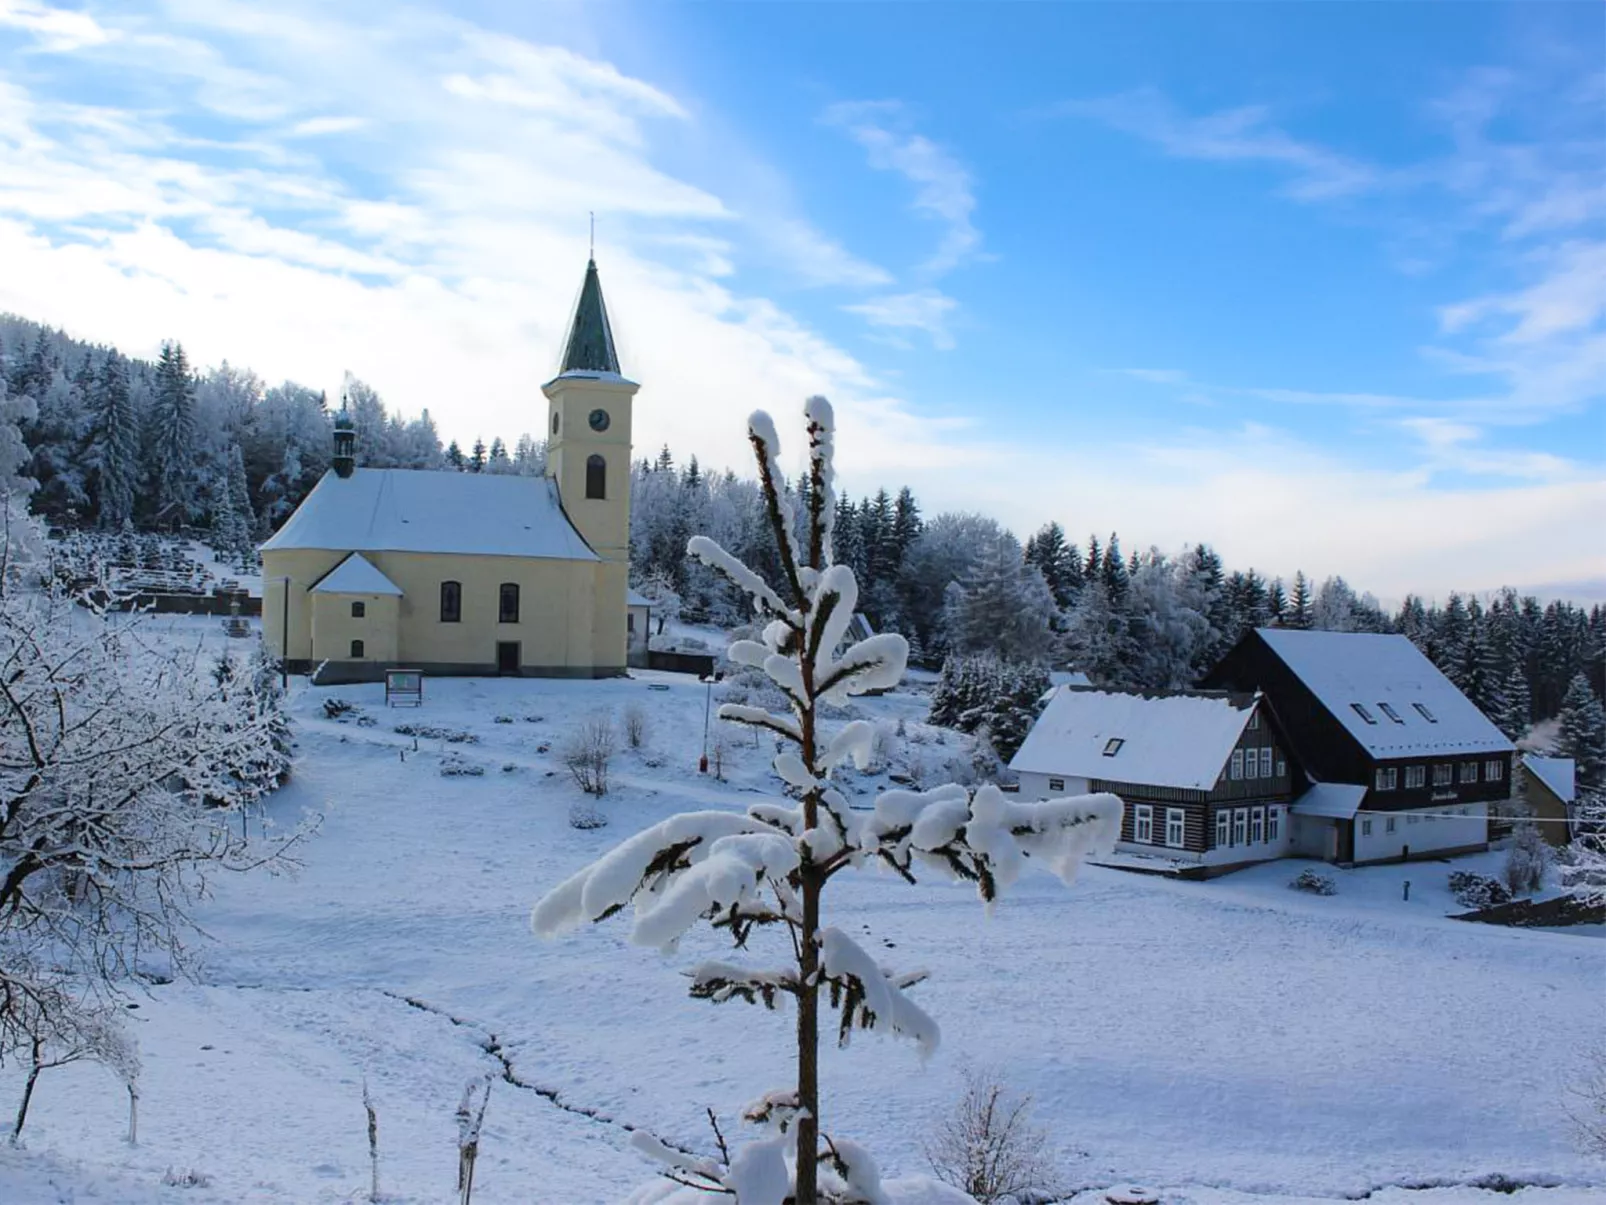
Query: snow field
point(1231, 1040)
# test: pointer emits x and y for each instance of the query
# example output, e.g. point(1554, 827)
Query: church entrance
point(507, 656)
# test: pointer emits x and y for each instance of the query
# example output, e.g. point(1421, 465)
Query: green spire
point(590, 346)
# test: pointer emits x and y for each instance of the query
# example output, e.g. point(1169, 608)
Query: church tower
point(588, 453)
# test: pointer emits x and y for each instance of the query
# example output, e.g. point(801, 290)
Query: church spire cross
point(590, 345)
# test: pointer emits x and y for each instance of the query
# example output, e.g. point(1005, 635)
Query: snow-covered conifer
point(767, 868)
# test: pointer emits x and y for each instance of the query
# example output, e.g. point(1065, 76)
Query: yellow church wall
point(303, 566)
point(334, 627)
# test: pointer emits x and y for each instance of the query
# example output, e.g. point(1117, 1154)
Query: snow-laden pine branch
point(766, 869)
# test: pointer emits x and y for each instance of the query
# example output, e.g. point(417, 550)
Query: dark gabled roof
point(1385, 693)
point(590, 345)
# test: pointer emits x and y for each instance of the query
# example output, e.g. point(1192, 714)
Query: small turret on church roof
point(590, 345)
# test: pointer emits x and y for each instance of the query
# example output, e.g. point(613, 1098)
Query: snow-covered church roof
point(1162, 740)
point(419, 510)
point(1385, 692)
point(355, 575)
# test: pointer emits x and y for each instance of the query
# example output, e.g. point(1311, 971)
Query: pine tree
point(1582, 734)
point(770, 865)
point(1051, 554)
point(114, 442)
point(173, 438)
point(1276, 603)
point(240, 495)
point(1480, 676)
point(454, 457)
point(1298, 612)
point(1515, 715)
point(476, 460)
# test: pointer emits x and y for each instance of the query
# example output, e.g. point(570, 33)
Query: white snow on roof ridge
point(1385, 673)
point(356, 575)
point(1177, 740)
point(434, 511)
point(1557, 773)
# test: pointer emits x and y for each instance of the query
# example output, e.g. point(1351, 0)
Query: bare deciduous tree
point(1587, 1103)
point(988, 1147)
point(588, 752)
point(635, 725)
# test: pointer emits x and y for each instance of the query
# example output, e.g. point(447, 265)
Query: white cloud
point(57, 30)
point(315, 127)
point(926, 311)
point(1244, 134)
point(944, 190)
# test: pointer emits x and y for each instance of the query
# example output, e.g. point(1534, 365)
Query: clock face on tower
point(598, 420)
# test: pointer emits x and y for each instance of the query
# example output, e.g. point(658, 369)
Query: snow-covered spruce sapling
point(470, 1120)
point(767, 868)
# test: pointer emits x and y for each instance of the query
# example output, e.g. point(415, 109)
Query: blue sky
point(1324, 285)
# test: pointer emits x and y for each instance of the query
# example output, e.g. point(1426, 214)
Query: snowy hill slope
point(1231, 1034)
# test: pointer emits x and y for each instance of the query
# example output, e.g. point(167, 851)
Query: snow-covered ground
point(1226, 1041)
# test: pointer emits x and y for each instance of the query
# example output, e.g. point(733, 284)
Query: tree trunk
point(27, 1095)
point(133, 1115)
point(808, 1001)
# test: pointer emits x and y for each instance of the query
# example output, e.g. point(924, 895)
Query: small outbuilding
point(1549, 790)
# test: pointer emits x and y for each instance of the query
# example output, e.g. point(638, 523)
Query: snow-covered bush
point(767, 868)
point(1314, 882)
point(188, 1177)
point(453, 765)
point(588, 752)
point(334, 708)
point(452, 736)
point(1527, 858)
point(1473, 890)
point(1586, 1105)
point(989, 1148)
point(585, 816)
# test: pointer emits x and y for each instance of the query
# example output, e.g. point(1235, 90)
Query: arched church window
point(451, 602)
point(356, 649)
point(507, 607)
point(358, 610)
point(596, 477)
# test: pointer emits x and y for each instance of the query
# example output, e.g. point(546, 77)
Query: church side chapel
point(470, 573)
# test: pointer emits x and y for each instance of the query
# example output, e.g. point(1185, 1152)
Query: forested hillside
point(111, 440)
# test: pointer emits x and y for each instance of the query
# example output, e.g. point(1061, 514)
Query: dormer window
point(1426, 714)
point(1389, 711)
point(1113, 746)
point(1364, 714)
point(1254, 720)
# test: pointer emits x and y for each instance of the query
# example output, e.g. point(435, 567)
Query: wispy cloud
point(944, 189)
point(926, 310)
point(1244, 134)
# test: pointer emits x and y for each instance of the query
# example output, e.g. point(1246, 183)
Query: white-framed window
point(1254, 720)
point(1274, 823)
point(1385, 779)
point(1142, 822)
point(1237, 770)
point(1388, 825)
point(1469, 771)
point(1223, 828)
point(1494, 771)
point(1176, 829)
point(1113, 746)
point(1430, 817)
point(1056, 784)
point(1257, 826)
point(1282, 768)
point(1364, 714)
point(1251, 764)
point(1265, 762)
point(1411, 818)
point(1240, 826)
point(1426, 714)
point(1390, 712)
point(1366, 828)
point(1443, 774)
point(1415, 776)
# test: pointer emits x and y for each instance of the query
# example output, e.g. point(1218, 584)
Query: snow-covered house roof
point(1334, 800)
point(1557, 773)
point(417, 510)
point(1166, 740)
point(1385, 693)
point(355, 575)
point(635, 598)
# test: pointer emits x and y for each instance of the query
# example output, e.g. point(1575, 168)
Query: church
point(472, 573)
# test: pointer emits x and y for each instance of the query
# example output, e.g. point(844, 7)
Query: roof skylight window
point(1364, 714)
point(1426, 714)
point(1113, 746)
point(1389, 711)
